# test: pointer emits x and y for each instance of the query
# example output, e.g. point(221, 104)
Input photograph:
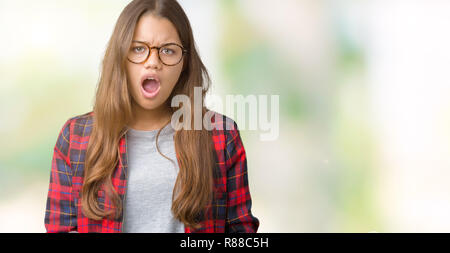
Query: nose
point(153, 60)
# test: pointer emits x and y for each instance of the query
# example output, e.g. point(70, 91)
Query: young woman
point(124, 167)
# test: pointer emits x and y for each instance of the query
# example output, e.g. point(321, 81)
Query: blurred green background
point(364, 90)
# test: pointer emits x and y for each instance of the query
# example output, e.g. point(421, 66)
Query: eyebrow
point(148, 43)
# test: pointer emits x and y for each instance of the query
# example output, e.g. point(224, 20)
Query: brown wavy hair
point(113, 112)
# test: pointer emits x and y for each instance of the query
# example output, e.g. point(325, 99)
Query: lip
point(147, 94)
point(154, 76)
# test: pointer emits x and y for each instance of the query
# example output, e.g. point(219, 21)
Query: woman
point(123, 167)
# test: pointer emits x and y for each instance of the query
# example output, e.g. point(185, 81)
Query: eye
point(167, 51)
point(138, 49)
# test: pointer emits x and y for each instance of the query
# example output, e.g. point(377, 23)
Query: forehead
point(155, 30)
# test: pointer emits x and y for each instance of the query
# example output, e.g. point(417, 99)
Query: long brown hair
point(113, 111)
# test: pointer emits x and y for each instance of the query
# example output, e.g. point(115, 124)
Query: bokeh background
point(364, 89)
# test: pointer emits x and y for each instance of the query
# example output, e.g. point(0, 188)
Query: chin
point(150, 105)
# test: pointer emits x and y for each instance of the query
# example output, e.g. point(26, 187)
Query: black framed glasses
point(169, 54)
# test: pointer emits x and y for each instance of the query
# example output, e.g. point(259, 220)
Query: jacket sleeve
point(60, 214)
point(239, 215)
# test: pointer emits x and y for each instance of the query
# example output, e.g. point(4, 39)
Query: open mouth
point(151, 87)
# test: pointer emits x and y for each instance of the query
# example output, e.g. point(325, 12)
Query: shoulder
point(80, 125)
point(83, 119)
point(221, 122)
point(226, 135)
point(71, 133)
point(75, 129)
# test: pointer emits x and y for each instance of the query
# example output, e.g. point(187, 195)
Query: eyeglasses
point(169, 54)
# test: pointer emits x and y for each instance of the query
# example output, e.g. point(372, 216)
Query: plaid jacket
point(229, 211)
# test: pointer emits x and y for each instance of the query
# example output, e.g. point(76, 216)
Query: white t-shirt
point(150, 183)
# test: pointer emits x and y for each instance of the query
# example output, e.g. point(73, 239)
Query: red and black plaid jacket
point(229, 211)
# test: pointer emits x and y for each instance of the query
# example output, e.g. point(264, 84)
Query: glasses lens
point(171, 54)
point(138, 52)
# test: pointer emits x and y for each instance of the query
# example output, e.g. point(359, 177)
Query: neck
point(148, 120)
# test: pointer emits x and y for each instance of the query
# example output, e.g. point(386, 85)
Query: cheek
point(175, 74)
point(132, 74)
